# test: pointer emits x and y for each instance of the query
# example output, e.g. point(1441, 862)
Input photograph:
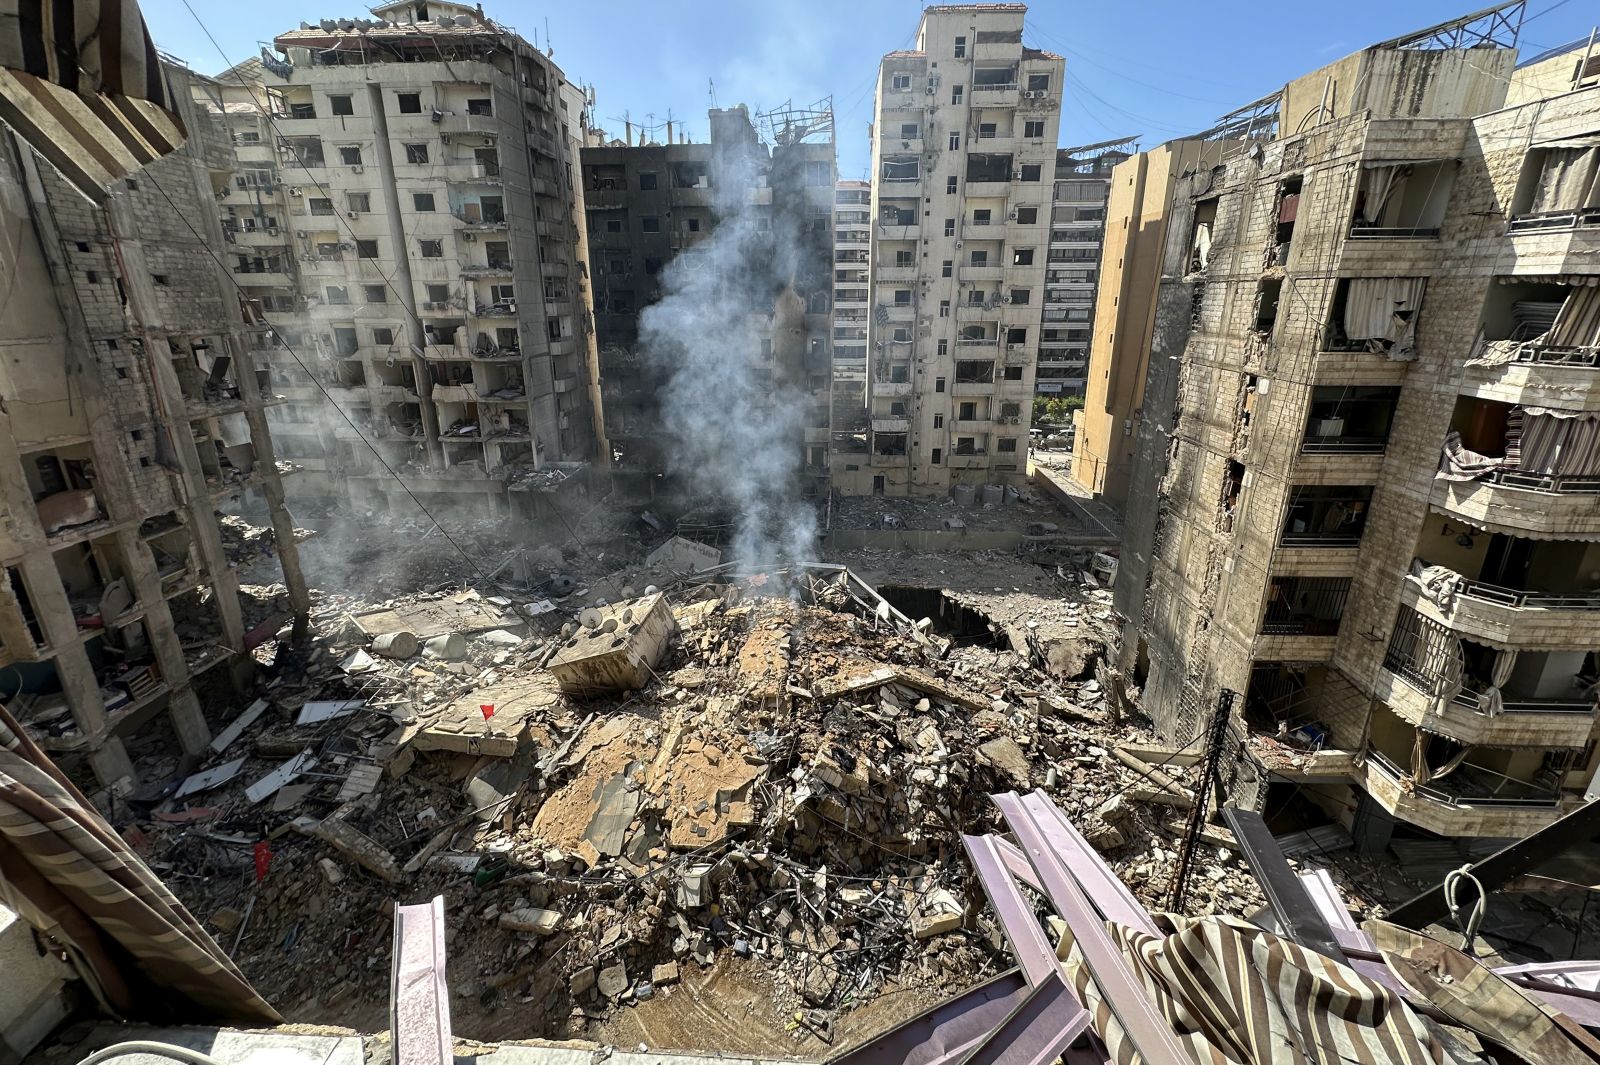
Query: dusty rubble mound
point(785, 796)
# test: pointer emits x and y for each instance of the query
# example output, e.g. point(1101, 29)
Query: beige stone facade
point(1302, 550)
point(963, 154)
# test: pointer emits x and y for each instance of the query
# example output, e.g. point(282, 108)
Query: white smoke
point(734, 417)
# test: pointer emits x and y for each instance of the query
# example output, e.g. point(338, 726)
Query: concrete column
point(284, 545)
point(15, 636)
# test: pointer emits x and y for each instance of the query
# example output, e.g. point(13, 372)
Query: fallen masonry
point(771, 785)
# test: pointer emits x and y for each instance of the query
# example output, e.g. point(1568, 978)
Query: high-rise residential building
point(852, 239)
point(135, 410)
point(405, 209)
point(1364, 496)
point(1128, 269)
point(1072, 266)
point(963, 149)
point(756, 200)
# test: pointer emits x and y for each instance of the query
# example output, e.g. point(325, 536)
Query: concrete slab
point(620, 652)
point(435, 617)
point(462, 727)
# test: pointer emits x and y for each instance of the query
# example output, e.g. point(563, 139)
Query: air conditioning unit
point(930, 90)
point(444, 138)
point(302, 234)
point(1013, 347)
point(353, 214)
point(1005, 299)
point(1016, 175)
point(294, 190)
point(958, 245)
point(358, 169)
point(438, 115)
point(469, 236)
point(272, 231)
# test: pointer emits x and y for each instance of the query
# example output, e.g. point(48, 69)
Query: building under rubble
point(649, 202)
point(135, 410)
point(1365, 477)
point(404, 212)
point(964, 142)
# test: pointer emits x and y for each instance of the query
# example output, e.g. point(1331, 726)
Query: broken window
point(1006, 444)
point(1013, 373)
point(1027, 216)
point(350, 154)
point(438, 293)
point(899, 170)
point(647, 181)
point(1030, 172)
point(359, 202)
point(480, 106)
point(1305, 606)
point(338, 295)
point(431, 249)
point(422, 201)
point(375, 293)
point(994, 77)
point(1038, 83)
point(409, 103)
point(967, 411)
point(1350, 419)
point(1205, 220)
point(974, 371)
point(344, 341)
point(1016, 336)
point(1022, 257)
point(366, 249)
point(1020, 295)
point(988, 167)
point(889, 443)
point(1268, 294)
point(1326, 515)
point(382, 336)
point(1376, 314)
point(302, 111)
point(319, 206)
point(937, 457)
point(416, 153)
point(1402, 200)
point(976, 298)
point(967, 445)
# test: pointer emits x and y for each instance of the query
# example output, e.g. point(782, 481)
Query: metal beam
point(1291, 904)
point(1579, 826)
point(1033, 1034)
point(1104, 888)
point(946, 1032)
point(419, 997)
point(1017, 920)
point(1149, 1032)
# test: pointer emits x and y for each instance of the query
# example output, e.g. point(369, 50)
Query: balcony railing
point(1512, 597)
point(1361, 232)
point(1575, 219)
point(1534, 795)
point(1554, 484)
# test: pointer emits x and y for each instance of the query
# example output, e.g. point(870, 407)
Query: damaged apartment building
point(1073, 264)
point(404, 212)
point(852, 240)
point(744, 220)
point(963, 149)
point(1367, 469)
point(134, 410)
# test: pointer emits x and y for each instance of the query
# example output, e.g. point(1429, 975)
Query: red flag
point(488, 710)
point(263, 859)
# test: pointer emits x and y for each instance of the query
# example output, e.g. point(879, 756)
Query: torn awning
point(70, 876)
point(80, 81)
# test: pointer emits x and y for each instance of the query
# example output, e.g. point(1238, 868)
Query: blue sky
point(1157, 70)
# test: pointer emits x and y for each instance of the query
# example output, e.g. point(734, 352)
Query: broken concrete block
point(936, 913)
point(582, 980)
point(330, 870)
point(613, 981)
point(451, 647)
point(532, 919)
point(1003, 753)
point(226, 919)
point(623, 659)
point(665, 973)
point(351, 842)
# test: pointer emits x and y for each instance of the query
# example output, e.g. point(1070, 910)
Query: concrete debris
point(619, 798)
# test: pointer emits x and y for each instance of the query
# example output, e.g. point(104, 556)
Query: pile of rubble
point(613, 798)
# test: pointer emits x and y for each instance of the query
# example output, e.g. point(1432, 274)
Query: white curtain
point(1577, 324)
point(1383, 311)
point(1382, 186)
point(1560, 442)
point(1491, 702)
point(1567, 181)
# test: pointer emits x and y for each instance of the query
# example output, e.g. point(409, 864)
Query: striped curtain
point(80, 81)
point(1557, 442)
point(71, 876)
point(1577, 324)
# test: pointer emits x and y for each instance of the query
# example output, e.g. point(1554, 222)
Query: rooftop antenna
point(549, 49)
point(713, 86)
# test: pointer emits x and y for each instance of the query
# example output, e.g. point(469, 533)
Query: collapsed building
point(756, 199)
point(135, 411)
point(1363, 496)
point(405, 213)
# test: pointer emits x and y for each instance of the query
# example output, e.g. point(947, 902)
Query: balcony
point(473, 173)
point(985, 272)
point(891, 388)
point(1462, 804)
point(988, 190)
point(455, 122)
point(894, 273)
point(464, 393)
point(897, 232)
point(972, 388)
point(1504, 616)
point(501, 268)
point(1521, 722)
point(968, 460)
point(898, 423)
point(1511, 502)
point(1006, 94)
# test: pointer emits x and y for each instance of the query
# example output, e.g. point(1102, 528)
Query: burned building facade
point(404, 209)
point(1362, 495)
point(135, 411)
point(732, 239)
